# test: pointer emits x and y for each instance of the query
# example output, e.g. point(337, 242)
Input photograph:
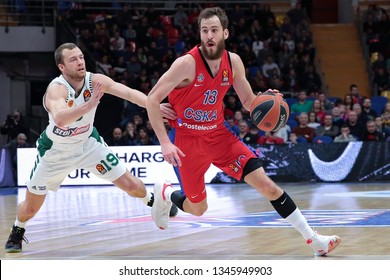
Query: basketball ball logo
point(70, 103)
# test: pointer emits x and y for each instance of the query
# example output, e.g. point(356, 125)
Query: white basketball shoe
point(323, 244)
point(161, 206)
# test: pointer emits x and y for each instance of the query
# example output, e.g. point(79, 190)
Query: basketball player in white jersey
point(70, 141)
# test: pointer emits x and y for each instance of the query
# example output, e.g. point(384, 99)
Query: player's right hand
point(172, 154)
point(97, 95)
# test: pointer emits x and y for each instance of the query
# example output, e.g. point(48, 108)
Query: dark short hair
point(214, 11)
point(58, 52)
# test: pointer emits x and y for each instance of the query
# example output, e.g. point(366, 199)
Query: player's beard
point(217, 54)
point(76, 75)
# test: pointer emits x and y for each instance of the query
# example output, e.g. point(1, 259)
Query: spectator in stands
point(138, 120)
point(287, 30)
point(152, 135)
point(13, 146)
point(348, 101)
point(270, 138)
point(130, 135)
point(232, 105)
point(13, 125)
point(269, 66)
point(120, 65)
point(248, 56)
point(231, 124)
point(336, 113)
point(386, 119)
point(180, 17)
point(325, 102)
point(133, 66)
point(293, 139)
point(367, 112)
point(264, 53)
point(381, 128)
point(302, 130)
point(245, 134)
point(319, 110)
point(386, 108)
point(284, 56)
point(356, 127)
point(290, 81)
point(257, 44)
point(303, 104)
point(345, 135)
point(296, 14)
point(144, 138)
point(357, 108)
point(130, 34)
point(313, 121)
point(371, 133)
point(312, 79)
point(382, 79)
point(104, 66)
point(328, 128)
point(117, 42)
point(343, 111)
point(141, 56)
point(275, 42)
point(283, 132)
point(116, 139)
point(238, 117)
point(354, 91)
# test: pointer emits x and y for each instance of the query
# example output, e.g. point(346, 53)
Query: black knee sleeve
point(252, 164)
point(178, 198)
point(284, 205)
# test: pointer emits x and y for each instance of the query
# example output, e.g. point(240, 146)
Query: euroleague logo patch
point(87, 95)
point(102, 170)
point(225, 78)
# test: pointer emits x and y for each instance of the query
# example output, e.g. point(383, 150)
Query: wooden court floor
point(103, 223)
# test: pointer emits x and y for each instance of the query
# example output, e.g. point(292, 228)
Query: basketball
point(269, 111)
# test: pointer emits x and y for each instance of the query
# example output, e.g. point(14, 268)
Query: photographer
point(13, 125)
point(13, 146)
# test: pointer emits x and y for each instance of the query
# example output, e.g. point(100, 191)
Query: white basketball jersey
point(80, 129)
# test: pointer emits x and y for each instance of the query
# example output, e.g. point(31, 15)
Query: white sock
point(147, 197)
point(299, 222)
point(19, 223)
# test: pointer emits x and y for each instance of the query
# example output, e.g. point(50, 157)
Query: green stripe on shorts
point(44, 144)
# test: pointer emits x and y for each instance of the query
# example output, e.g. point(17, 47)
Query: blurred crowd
point(136, 45)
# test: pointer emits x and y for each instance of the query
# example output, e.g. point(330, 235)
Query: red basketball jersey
point(199, 106)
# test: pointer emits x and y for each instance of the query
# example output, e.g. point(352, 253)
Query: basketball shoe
point(323, 244)
point(14, 243)
point(172, 213)
point(161, 206)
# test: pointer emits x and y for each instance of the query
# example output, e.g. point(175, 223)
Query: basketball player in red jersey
point(196, 84)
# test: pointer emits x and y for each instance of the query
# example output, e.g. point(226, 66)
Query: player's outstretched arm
point(55, 103)
point(130, 94)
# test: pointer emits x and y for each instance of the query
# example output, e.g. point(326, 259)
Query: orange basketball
point(269, 111)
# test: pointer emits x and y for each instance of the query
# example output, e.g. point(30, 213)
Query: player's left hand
point(274, 91)
point(167, 111)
